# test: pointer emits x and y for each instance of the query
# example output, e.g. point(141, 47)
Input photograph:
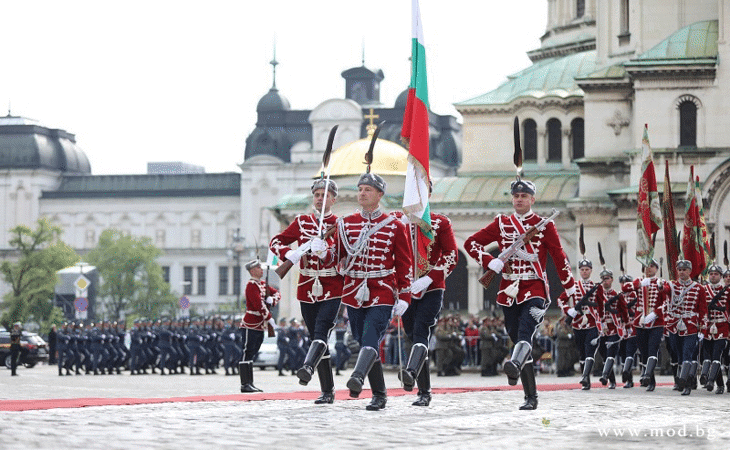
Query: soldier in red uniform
point(585, 318)
point(717, 330)
point(524, 291)
point(259, 298)
point(613, 318)
point(427, 293)
point(685, 315)
point(320, 286)
point(372, 248)
point(629, 341)
point(649, 319)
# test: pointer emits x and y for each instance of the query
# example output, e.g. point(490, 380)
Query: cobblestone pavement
point(566, 419)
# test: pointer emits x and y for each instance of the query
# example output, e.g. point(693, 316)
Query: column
point(541, 146)
point(566, 148)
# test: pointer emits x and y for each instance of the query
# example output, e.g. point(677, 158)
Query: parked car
point(268, 355)
point(33, 349)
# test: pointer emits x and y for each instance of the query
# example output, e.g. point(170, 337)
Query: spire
point(363, 51)
point(274, 63)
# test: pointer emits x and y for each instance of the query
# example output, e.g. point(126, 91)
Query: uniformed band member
point(524, 291)
point(259, 298)
point(716, 331)
point(614, 319)
point(685, 313)
point(649, 320)
point(372, 247)
point(585, 318)
point(15, 335)
point(427, 293)
point(319, 289)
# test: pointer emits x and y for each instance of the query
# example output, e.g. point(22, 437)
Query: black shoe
point(628, 385)
point(424, 399)
point(325, 398)
point(530, 404)
point(248, 388)
point(377, 403)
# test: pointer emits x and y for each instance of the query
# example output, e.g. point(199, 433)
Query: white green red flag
point(692, 233)
point(704, 235)
point(648, 219)
point(416, 137)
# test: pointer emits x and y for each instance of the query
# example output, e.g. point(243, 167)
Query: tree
point(32, 278)
point(131, 278)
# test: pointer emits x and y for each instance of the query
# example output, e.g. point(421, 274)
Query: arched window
point(688, 123)
point(555, 144)
point(529, 139)
point(577, 131)
point(580, 8)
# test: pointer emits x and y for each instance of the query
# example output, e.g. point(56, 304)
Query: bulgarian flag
point(704, 234)
point(648, 219)
point(415, 136)
point(692, 247)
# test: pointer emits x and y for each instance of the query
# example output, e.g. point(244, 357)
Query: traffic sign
point(184, 302)
point(81, 303)
point(82, 283)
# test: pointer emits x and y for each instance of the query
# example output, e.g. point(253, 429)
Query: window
point(201, 280)
point(166, 274)
point(624, 35)
point(687, 124)
point(555, 142)
point(223, 280)
point(530, 140)
point(577, 131)
point(237, 280)
point(187, 280)
point(580, 8)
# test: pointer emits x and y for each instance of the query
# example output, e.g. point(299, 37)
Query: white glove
point(645, 282)
point(421, 284)
point(294, 256)
point(572, 312)
point(649, 318)
point(400, 307)
point(700, 336)
point(570, 292)
point(269, 300)
point(594, 341)
point(272, 322)
point(319, 247)
point(405, 220)
point(496, 265)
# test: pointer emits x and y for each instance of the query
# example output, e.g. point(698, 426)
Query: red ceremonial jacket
point(615, 316)
point(372, 250)
point(531, 275)
point(685, 307)
point(442, 251)
point(649, 299)
point(257, 311)
point(302, 230)
point(717, 321)
point(589, 317)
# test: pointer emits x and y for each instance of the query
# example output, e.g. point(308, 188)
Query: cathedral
point(603, 70)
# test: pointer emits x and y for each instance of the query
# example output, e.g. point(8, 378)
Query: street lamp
point(234, 252)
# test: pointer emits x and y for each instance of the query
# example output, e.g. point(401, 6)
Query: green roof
point(696, 41)
point(553, 77)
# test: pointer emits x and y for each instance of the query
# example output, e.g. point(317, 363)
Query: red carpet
point(29, 405)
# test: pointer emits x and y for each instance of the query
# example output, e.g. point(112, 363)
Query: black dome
point(402, 99)
point(24, 144)
point(273, 101)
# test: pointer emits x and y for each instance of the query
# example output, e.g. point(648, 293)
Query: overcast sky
point(142, 81)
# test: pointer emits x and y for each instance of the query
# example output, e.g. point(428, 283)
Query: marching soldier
point(427, 293)
point(259, 298)
point(717, 330)
point(320, 286)
point(373, 248)
point(630, 343)
point(649, 320)
point(685, 315)
point(585, 318)
point(614, 318)
point(524, 289)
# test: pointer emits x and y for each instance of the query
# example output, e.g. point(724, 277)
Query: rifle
point(713, 303)
point(584, 300)
point(518, 245)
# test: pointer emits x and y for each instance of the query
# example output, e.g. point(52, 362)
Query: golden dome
point(389, 158)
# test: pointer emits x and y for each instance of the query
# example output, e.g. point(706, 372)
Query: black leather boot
point(424, 386)
point(627, 375)
point(314, 355)
point(684, 375)
point(607, 371)
point(693, 375)
point(713, 371)
point(326, 381)
point(675, 375)
point(649, 381)
point(419, 352)
point(720, 383)
point(704, 371)
point(529, 386)
point(245, 369)
point(585, 380)
point(365, 360)
point(513, 367)
point(377, 385)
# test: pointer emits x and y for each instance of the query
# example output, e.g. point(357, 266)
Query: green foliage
point(131, 278)
point(32, 278)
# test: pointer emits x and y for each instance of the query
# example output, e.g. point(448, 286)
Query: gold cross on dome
point(371, 126)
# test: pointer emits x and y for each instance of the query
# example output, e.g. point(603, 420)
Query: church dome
point(25, 144)
point(273, 101)
point(389, 158)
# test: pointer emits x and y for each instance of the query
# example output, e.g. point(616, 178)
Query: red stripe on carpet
point(30, 405)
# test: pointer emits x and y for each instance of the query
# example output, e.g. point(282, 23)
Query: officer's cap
point(252, 264)
point(523, 186)
point(684, 264)
point(606, 274)
point(715, 268)
point(585, 263)
point(320, 184)
point(371, 179)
